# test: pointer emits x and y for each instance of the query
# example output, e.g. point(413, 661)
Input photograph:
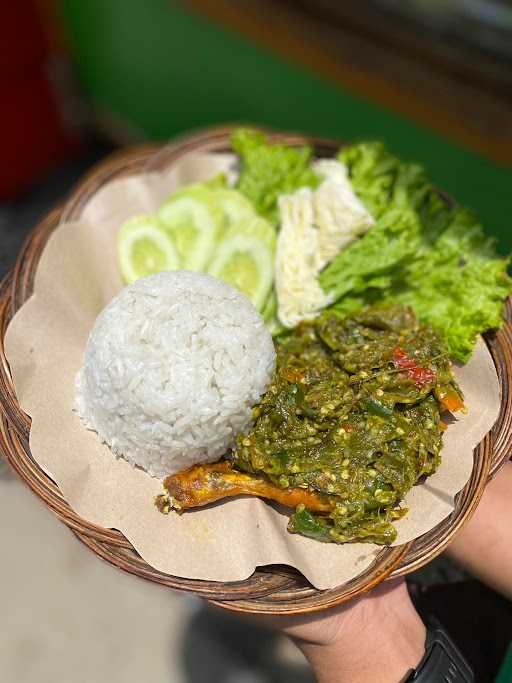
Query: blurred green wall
point(164, 70)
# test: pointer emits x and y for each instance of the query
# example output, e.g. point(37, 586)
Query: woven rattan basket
point(271, 589)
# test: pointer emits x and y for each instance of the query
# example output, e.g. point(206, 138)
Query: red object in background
point(33, 137)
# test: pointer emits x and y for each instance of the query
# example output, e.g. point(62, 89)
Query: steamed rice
point(171, 371)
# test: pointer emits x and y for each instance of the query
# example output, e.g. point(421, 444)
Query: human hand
point(377, 637)
point(484, 545)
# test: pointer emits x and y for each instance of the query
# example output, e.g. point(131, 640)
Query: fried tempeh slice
point(205, 484)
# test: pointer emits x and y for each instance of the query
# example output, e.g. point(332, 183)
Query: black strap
point(443, 661)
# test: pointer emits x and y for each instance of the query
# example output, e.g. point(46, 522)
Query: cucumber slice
point(193, 219)
point(245, 259)
point(235, 206)
point(246, 263)
point(143, 248)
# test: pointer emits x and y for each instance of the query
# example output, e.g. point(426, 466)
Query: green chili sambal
point(351, 421)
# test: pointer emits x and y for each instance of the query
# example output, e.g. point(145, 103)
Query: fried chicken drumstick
point(205, 484)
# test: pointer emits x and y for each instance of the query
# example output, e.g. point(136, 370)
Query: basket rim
point(269, 590)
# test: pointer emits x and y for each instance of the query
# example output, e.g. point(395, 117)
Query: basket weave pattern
point(272, 589)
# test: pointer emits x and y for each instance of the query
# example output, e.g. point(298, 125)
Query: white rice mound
point(172, 368)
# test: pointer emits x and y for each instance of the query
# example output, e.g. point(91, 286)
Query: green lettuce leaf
point(381, 180)
point(372, 172)
point(218, 182)
point(458, 286)
point(269, 170)
point(439, 262)
point(370, 262)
